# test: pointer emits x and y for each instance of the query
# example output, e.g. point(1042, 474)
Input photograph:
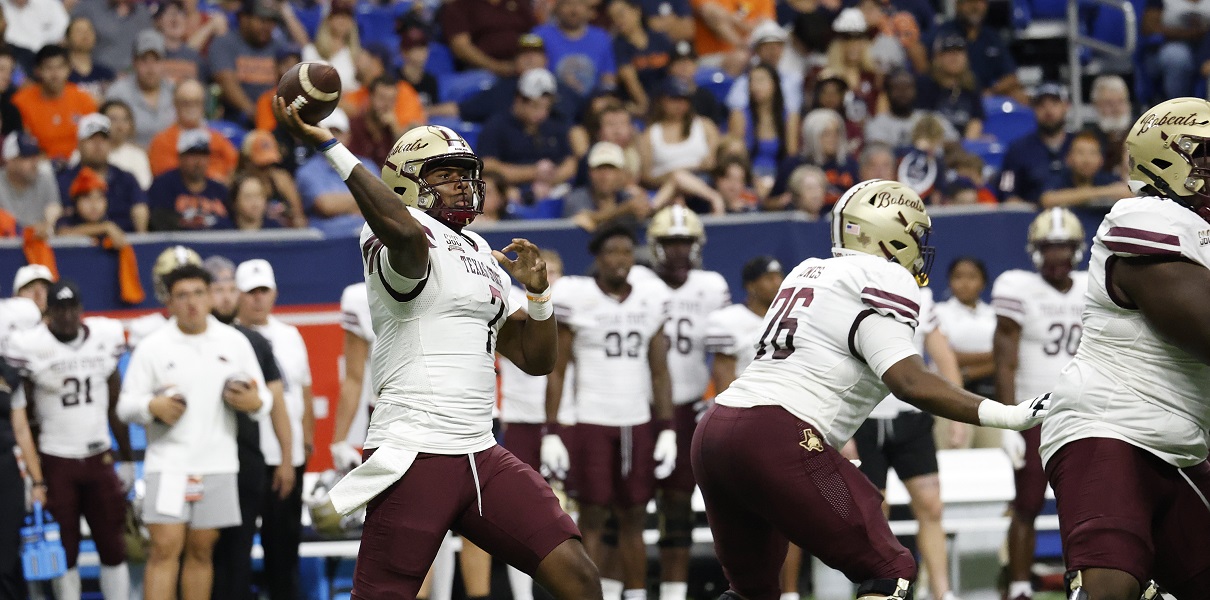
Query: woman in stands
point(970, 323)
point(768, 131)
point(336, 42)
point(678, 139)
point(849, 58)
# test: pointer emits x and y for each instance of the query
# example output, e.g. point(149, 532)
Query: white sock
point(790, 596)
point(522, 584)
point(443, 571)
point(1020, 588)
point(115, 582)
point(67, 585)
point(674, 590)
point(611, 589)
point(634, 594)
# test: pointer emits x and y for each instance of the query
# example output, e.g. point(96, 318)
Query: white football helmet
point(419, 151)
point(886, 219)
point(1055, 226)
point(172, 258)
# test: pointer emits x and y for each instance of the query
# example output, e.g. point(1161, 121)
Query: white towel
point(375, 475)
point(170, 493)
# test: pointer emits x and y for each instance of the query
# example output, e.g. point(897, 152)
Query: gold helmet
point(172, 258)
point(676, 221)
point(1168, 146)
point(886, 219)
point(422, 149)
point(1055, 226)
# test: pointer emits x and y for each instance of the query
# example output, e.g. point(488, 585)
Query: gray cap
point(149, 40)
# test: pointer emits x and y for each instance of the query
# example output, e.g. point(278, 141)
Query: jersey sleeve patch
point(898, 307)
point(1130, 241)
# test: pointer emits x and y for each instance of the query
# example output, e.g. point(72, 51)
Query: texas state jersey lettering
point(613, 373)
point(808, 357)
point(1126, 382)
point(433, 362)
point(1050, 322)
point(71, 384)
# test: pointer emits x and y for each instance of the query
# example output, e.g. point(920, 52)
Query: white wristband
point(995, 414)
point(540, 307)
point(341, 160)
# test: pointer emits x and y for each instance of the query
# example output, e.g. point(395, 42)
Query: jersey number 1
point(781, 321)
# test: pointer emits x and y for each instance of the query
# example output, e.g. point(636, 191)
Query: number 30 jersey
point(1050, 326)
point(834, 328)
point(613, 370)
point(71, 384)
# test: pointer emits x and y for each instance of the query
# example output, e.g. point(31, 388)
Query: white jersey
point(1126, 382)
point(355, 319)
point(523, 396)
point(290, 352)
point(835, 327)
point(71, 384)
point(1050, 326)
point(141, 327)
point(890, 407)
point(734, 331)
point(433, 361)
point(17, 314)
point(613, 371)
point(702, 293)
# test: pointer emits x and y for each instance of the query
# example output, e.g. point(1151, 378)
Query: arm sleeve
point(883, 341)
point(1007, 298)
point(138, 388)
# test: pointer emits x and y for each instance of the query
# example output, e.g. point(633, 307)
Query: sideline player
point(1038, 330)
point(675, 237)
point(837, 338)
point(1126, 453)
point(612, 329)
point(439, 306)
point(69, 365)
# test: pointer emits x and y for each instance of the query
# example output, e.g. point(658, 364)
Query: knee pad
point(676, 525)
point(887, 589)
point(1073, 586)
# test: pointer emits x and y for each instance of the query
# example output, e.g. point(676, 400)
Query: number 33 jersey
point(613, 370)
point(1050, 326)
point(71, 384)
point(834, 328)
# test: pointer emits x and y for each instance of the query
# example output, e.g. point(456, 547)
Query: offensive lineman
point(1126, 453)
point(439, 305)
point(612, 328)
point(837, 338)
point(1037, 332)
point(675, 236)
point(69, 365)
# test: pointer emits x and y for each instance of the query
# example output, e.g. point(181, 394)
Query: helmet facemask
point(923, 264)
point(1195, 151)
point(429, 197)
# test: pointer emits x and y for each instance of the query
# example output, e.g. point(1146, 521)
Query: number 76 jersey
point(1050, 326)
point(834, 328)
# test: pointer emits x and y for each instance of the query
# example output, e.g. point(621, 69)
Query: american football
point(312, 88)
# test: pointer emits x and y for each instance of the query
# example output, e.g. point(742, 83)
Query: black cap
point(1052, 90)
point(63, 292)
point(951, 41)
point(757, 267)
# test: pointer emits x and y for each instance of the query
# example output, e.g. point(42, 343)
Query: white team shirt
point(835, 327)
point(523, 396)
point(355, 319)
point(1126, 382)
point(702, 293)
point(613, 372)
point(17, 314)
point(734, 331)
point(970, 331)
point(202, 442)
point(433, 361)
point(141, 327)
point(291, 354)
point(891, 407)
point(71, 384)
point(1050, 326)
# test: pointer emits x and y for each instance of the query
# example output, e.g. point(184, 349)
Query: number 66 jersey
point(834, 328)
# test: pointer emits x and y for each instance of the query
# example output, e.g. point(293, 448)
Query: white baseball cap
point(606, 154)
point(255, 273)
point(767, 31)
point(29, 274)
point(536, 83)
point(338, 120)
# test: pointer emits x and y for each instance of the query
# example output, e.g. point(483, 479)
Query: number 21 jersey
point(812, 358)
point(1050, 326)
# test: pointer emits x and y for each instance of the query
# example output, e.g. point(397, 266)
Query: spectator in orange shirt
point(288, 55)
point(51, 106)
point(190, 99)
point(373, 63)
point(723, 26)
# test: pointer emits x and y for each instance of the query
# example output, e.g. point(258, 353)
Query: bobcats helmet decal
point(886, 219)
point(419, 151)
point(1055, 226)
point(1169, 151)
point(172, 258)
point(676, 221)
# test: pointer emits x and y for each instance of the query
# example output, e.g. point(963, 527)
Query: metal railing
point(1076, 41)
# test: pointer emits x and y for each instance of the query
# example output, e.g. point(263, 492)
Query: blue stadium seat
point(991, 152)
point(456, 87)
point(715, 80)
point(441, 60)
point(376, 22)
point(309, 16)
point(1007, 120)
point(313, 578)
point(550, 208)
point(234, 132)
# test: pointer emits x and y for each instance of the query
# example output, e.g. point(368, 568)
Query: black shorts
point(904, 443)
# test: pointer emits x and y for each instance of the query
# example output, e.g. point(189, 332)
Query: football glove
point(665, 454)
point(555, 459)
point(1013, 445)
point(344, 456)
